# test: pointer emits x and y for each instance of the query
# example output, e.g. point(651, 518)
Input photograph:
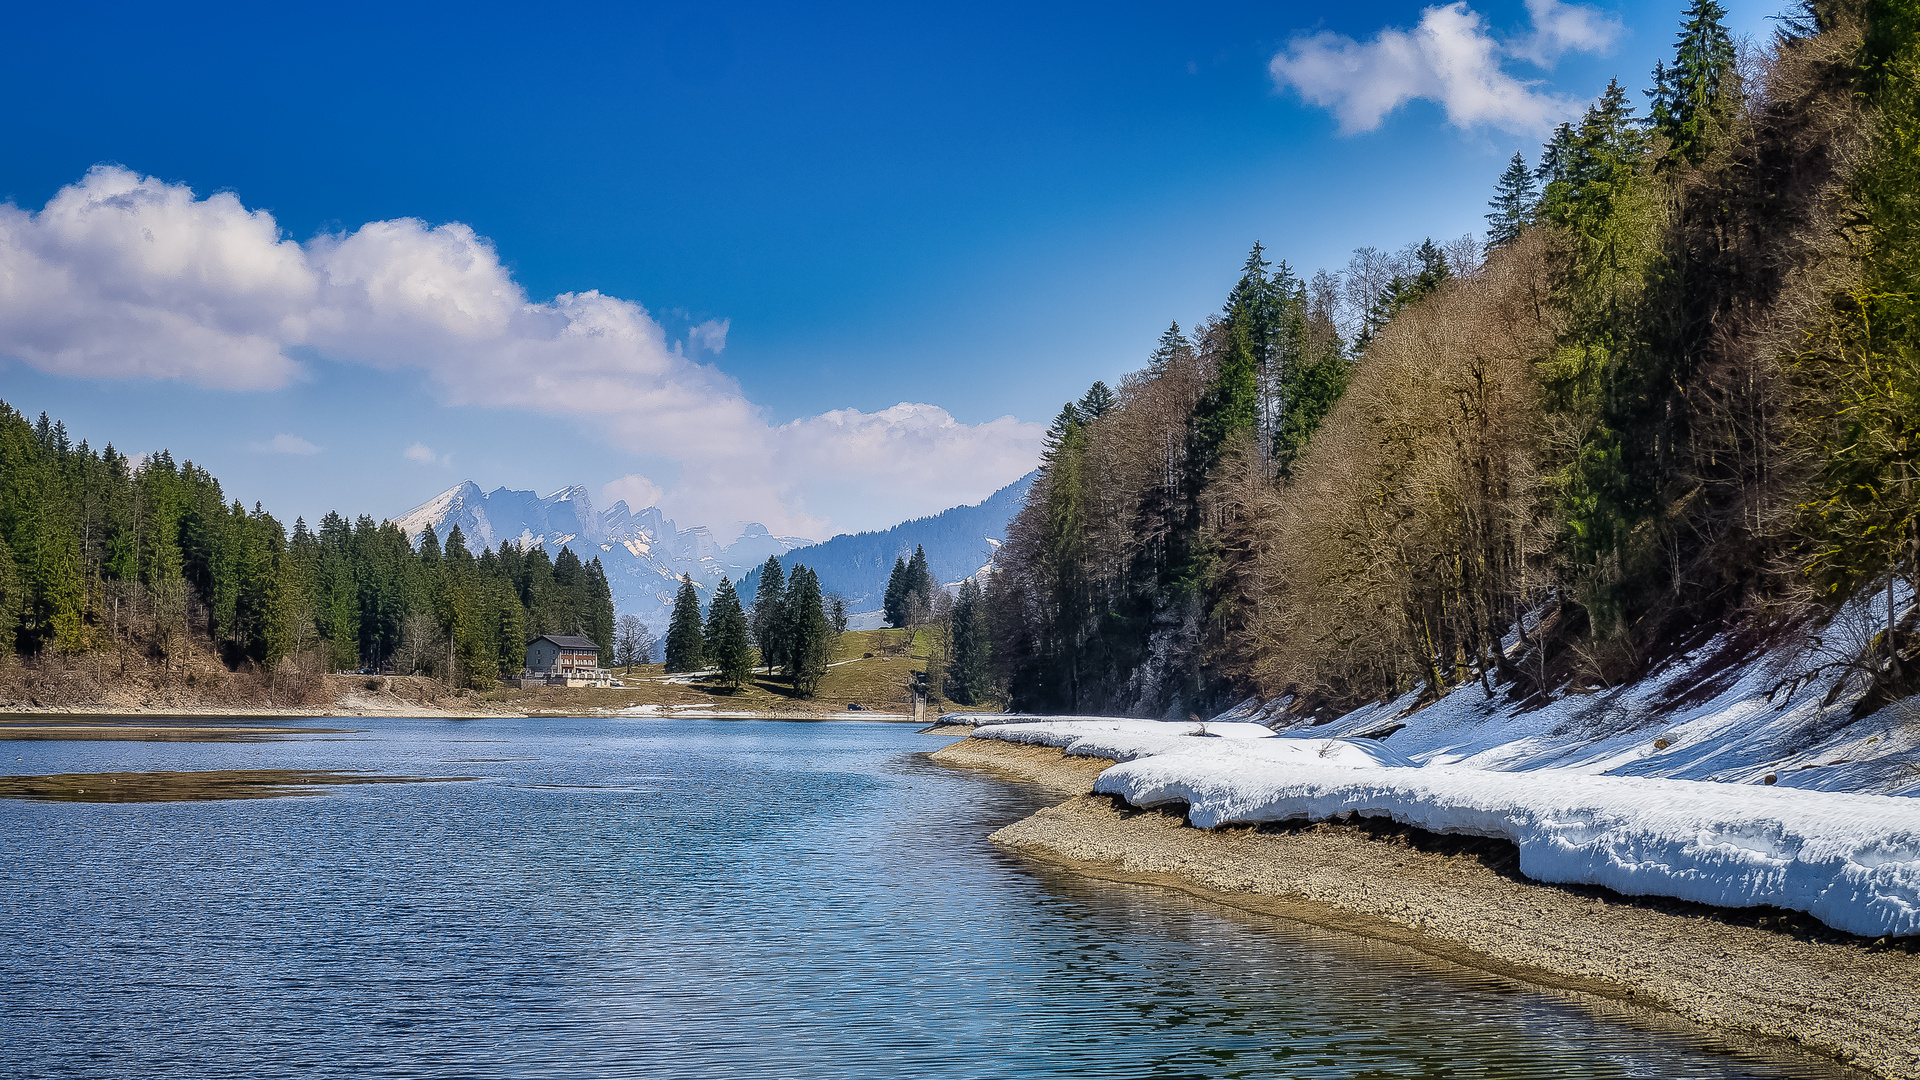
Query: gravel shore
point(1768, 974)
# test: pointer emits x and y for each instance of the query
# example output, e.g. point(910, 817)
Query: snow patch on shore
point(1850, 860)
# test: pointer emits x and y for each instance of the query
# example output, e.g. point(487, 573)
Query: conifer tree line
point(793, 625)
point(910, 591)
point(1678, 388)
point(102, 552)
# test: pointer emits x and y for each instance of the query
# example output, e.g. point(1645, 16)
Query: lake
point(692, 898)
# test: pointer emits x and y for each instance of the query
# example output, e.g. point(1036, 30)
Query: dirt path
point(1773, 976)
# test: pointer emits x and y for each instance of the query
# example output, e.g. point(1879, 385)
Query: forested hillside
point(1673, 394)
point(100, 552)
point(857, 566)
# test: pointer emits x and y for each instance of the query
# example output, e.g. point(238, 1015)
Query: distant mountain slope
point(959, 543)
point(643, 552)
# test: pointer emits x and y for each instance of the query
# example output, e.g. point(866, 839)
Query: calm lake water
point(690, 899)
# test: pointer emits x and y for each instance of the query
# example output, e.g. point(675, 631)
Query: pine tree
point(894, 604)
point(1511, 209)
point(1096, 402)
point(1064, 538)
point(1253, 306)
point(59, 586)
point(1228, 407)
point(686, 647)
point(970, 672)
point(511, 626)
point(1687, 94)
point(728, 646)
point(1312, 387)
point(1555, 156)
point(809, 638)
point(12, 600)
point(920, 585)
point(1064, 425)
point(1173, 348)
point(343, 620)
point(598, 615)
point(765, 619)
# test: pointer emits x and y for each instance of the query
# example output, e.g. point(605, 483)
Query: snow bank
point(1724, 712)
point(1852, 861)
point(1112, 737)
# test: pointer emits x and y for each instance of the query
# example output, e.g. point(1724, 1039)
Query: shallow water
point(693, 898)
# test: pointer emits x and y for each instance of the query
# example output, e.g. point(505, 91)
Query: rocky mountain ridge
point(643, 551)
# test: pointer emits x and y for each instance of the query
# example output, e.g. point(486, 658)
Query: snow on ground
point(1725, 776)
point(1723, 716)
point(1852, 861)
point(1735, 735)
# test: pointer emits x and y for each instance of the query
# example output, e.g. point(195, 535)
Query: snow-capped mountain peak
point(643, 552)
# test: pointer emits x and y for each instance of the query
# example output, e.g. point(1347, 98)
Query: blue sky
point(820, 214)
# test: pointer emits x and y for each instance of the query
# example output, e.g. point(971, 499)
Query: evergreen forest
point(1673, 392)
point(100, 552)
point(792, 626)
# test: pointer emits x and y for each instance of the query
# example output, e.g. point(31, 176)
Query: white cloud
point(286, 444)
point(1450, 58)
point(425, 455)
point(635, 490)
point(125, 276)
point(1559, 29)
point(711, 335)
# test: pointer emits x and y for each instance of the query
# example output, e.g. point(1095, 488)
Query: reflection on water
point(693, 898)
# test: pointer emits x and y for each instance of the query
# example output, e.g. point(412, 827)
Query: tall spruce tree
point(1686, 95)
point(1511, 210)
point(686, 645)
point(1096, 402)
point(1069, 419)
point(809, 637)
point(12, 600)
point(894, 606)
point(1228, 407)
point(598, 616)
point(970, 673)
point(1172, 348)
point(1312, 385)
point(766, 620)
point(920, 584)
point(728, 644)
point(1254, 307)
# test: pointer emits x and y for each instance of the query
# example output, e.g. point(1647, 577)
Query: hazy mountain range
point(960, 543)
point(644, 552)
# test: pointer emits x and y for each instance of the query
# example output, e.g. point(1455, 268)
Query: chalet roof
point(568, 642)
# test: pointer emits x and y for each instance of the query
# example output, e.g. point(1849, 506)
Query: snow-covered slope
point(1724, 711)
point(644, 552)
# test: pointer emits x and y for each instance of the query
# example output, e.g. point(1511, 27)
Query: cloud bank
point(1450, 58)
point(126, 276)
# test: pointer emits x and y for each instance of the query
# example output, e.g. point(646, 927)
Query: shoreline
point(201, 725)
point(1458, 899)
